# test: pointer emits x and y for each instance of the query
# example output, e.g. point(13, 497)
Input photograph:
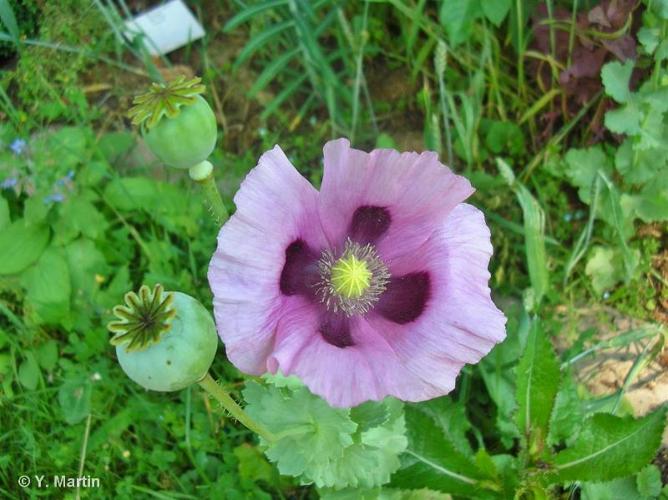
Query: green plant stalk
point(203, 175)
point(571, 34)
point(553, 44)
point(521, 49)
point(223, 397)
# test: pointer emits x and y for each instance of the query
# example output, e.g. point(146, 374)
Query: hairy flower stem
point(222, 396)
point(202, 173)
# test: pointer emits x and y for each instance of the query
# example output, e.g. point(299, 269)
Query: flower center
point(350, 277)
point(143, 319)
point(164, 99)
point(352, 282)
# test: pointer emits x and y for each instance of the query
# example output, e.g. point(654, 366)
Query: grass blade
point(251, 12)
point(534, 227)
point(260, 40)
point(271, 70)
point(9, 20)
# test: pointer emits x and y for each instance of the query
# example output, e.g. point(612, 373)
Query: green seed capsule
point(187, 139)
point(178, 125)
point(164, 341)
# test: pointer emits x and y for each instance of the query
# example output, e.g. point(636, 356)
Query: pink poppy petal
point(460, 323)
point(367, 370)
point(415, 191)
point(275, 206)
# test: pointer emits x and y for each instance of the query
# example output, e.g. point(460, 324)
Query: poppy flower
point(374, 286)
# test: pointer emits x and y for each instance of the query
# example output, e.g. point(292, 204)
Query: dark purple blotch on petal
point(405, 298)
point(335, 329)
point(300, 271)
point(369, 223)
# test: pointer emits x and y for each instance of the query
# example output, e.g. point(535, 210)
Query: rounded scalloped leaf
point(330, 447)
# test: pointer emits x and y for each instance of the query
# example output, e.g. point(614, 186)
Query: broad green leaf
point(253, 465)
point(661, 8)
point(649, 38)
point(498, 372)
point(321, 444)
point(132, 193)
point(5, 364)
point(371, 460)
point(648, 481)
point(48, 287)
point(638, 166)
point(583, 166)
point(432, 461)
point(616, 77)
point(534, 244)
point(496, 10)
point(385, 141)
point(567, 415)
point(505, 138)
point(662, 51)
point(605, 267)
point(624, 120)
point(4, 213)
point(35, 210)
point(369, 414)
point(165, 202)
point(47, 355)
point(63, 149)
point(9, 20)
point(651, 204)
point(88, 268)
point(451, 417)
point(652, 136)
point(618, 488)
point(78, 216)
point(118, 286)
point(457, 17)
point(74, 397)
point(622, 222)
point(537, 385)
point(93, 173)
point(21, 245)
point(29, 371)
point(610, 447)
point(381, 494)
point(114, 145)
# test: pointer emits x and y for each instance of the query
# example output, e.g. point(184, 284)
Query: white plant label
point(165, 28)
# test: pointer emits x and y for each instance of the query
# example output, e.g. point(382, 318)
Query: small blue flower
point(17, 146)
point(9, 183)
point(568, 217)
point(54, 198)
point(70, 174)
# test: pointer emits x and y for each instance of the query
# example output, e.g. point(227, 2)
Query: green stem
point(223, 397)
point(202, 173)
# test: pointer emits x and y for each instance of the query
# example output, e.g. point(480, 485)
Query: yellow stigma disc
point(350, 277)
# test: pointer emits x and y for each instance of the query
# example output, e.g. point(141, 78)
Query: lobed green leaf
point(537, 385)
point(610, 447)
point(432, 460)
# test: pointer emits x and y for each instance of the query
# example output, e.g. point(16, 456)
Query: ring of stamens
point(352, 282)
